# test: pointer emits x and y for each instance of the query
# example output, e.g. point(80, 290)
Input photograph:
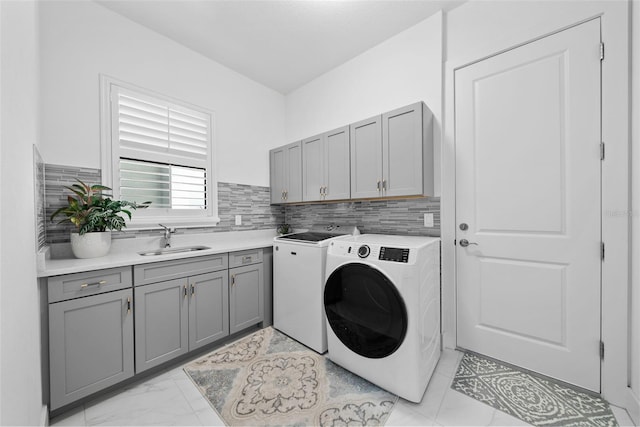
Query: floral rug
point(535, 400)
point(268, 379)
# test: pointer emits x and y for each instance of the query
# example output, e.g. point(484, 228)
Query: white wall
point(81, 39)
point(403, 69)
point(20, 387)
point(634, 403)
point(481, 28)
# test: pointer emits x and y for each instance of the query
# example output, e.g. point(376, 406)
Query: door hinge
point(601, 51)
point(601, 350)
point(454, 242)
point(602, 251)
point(602, 151)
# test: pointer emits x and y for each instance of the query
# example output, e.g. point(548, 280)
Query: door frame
point(615, 199)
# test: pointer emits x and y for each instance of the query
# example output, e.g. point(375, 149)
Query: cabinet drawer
point(240, 258)
point(77, 285)
point(176, 269)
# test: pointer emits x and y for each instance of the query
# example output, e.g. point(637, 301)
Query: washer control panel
point(394, 254)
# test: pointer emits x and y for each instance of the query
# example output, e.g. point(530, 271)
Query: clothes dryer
point(382, 304)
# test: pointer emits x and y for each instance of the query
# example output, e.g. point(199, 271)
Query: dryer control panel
point(394, 254)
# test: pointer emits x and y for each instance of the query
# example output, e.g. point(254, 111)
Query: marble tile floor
point(170, 398)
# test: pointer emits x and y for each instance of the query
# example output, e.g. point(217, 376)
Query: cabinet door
point(277, 173)
point(402, 171)
point(293, 187)
point(366, 158)
point(312, 168)
point(90, 345)
point(161, 322)
point(245, 297)
point(336, 164)
point(208, 308)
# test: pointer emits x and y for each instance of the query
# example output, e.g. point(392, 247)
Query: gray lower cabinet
point(161, 322)
point(180, 305)
point(246, 289)
point(208, 308)
point(90, 344)
point(176, 316)
point(246, 294)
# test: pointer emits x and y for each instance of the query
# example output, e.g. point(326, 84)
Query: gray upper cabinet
point(312, 168)
point(277, 174)
point(325, 166)
point(208, 308)
point(407, 151)
point(389, 155)
point(90, 344)
point(366, 158)
point(392, 154)
point(161, 322)
point(286, 173)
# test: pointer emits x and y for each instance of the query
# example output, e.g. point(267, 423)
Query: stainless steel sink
point(173, 250)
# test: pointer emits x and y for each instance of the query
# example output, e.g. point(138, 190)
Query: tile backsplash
point(403, 217)
point(252, 202)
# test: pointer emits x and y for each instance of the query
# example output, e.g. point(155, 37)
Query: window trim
point(144, 220)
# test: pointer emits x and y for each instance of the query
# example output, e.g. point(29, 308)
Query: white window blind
point(161, 151)
point(158, 131)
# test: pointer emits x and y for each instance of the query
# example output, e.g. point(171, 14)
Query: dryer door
point(365, 310)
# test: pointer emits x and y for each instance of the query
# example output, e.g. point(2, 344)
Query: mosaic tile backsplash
point(405, 217)
point(250, 201)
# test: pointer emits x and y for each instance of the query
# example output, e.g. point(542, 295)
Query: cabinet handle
point(193, 290)
point(185, 290)
point(246, 259)
point(378, 185)
point(321, 191)
point(128, 304)
point(286, 194)
point(282, 195)
point(384, 184)
point(101, 282)
point(233, 280)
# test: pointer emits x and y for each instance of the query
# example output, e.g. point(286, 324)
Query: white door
point(528, 189)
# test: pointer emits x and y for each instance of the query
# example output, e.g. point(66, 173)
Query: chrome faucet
point(167, 235)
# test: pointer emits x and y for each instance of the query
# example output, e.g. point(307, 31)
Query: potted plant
point(94, 214)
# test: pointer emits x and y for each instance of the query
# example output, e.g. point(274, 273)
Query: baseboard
point(44, 416)
point(633, 406)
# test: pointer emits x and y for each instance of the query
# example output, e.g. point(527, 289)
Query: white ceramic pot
point(91, 245)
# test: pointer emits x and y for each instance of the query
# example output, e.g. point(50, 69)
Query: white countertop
point(124, 251)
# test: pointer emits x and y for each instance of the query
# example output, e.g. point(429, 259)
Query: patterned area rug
point(269, 379)
point(535, 400)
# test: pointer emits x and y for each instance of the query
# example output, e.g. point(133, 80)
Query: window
point(159, 150)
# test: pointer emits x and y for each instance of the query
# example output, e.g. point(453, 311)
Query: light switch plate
point(238, 219)
point(428, 220)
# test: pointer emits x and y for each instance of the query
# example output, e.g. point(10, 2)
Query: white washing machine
point(299, 262)
point(382, 303)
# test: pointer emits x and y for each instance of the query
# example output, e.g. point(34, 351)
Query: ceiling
point(281, 44)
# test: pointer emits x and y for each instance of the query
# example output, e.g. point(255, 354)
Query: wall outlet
point(238, 219)
point(428, 220)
